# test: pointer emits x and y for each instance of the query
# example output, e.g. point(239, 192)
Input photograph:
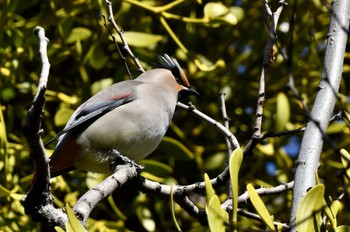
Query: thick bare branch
point(38, 202)
point(312, 142)
point(122, 175)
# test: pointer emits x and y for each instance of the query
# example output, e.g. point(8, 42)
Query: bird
point(128, 119)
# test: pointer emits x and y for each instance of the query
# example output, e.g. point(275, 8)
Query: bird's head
point(170, 63)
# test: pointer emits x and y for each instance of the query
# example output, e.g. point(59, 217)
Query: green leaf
point(67, 99)
point(238, 12)
point(214, 10)
point(93, 179)
point(215, 215)
point(172, 203)
point(234, 166)
point(115, 208)
point(4, 192)
point(174, 148)
point(336, 127)
point(336, 206)
point(59, 229)
point(156, 168)
point(260, 207)
point(78, 33)
point(267, 149)
point(73, 223)
point(209, 190)
point(309, 211)
point(342, 228)
point(282, 112)
point(215, 161)
point(101, 84)
point(139, 39)
point(62, 116)
point(332, 211)
point(146, 218)
point(97, 58)
point(19, 6)
point(203, 65)
point(345, 157)
point(217, 12)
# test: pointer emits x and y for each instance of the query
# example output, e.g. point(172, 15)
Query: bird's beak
point(191, 91)
point(187, 91)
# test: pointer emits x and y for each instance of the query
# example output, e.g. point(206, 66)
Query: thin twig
point(231, 138)
point(117, 46)
point(120, 33)
point(252, 143)
point(268, 58)
point(258, 218)
point(261, 192)
point(226, 122)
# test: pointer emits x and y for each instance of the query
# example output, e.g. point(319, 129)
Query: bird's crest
point(171, 64)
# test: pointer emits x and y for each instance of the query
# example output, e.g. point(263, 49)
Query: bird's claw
point(120, 160)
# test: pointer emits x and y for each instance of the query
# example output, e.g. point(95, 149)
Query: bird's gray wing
point(92, 112)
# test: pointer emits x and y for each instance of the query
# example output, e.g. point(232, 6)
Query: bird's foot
point(121, 159)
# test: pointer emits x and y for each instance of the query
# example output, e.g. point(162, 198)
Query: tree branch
point(123, 174)
point(38, 202)
point(125, 44)
point(231, 138)
point(311, 145)
point(268, 58)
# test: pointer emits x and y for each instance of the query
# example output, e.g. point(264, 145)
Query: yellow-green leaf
point(215, 161)
point(336, 127)
point(59, 229)
point(260, 207)
point(234, 166)
point(282, 112)
point(97, 58)
point(336, 206)
point(238, 12)
point(208, 66)
point(214, 10)
point(332, 211)
point(139, 39)
point(345, 158)
point(156, 168)
point(215, 215)
point(146, 218)
point(172, 203)
point(266, 149)
point(93, 179)
point(342, 228)
point(4, 192)
point(73, 223)
point(67, 99)
point(62, 116)
point(78, 33)
point(101, 84)
point(115, 208)
point(175, 148)
point(209, 190)
point(308, 216)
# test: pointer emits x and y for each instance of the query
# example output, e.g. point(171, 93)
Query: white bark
point(312, 142)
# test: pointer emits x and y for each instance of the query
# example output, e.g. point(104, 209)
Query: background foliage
point(225, 43)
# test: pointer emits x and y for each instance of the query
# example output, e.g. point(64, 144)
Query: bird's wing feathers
point(62, 160)
point(92, 112)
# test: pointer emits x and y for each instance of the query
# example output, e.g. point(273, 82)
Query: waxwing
point(128, 118)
